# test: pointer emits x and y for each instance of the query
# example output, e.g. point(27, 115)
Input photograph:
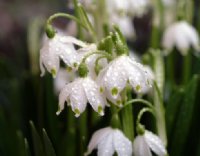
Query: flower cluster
point(91, 87)
point(108, 140)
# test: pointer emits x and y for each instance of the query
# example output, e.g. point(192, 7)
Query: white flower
point(78, 93)
point(138, 7)
point(146, 142)
point(117, 6)
point(123, 69)
point(107, 141)
point(182, 35)
point(59, 47)
point(131, 7)
point(63, 77)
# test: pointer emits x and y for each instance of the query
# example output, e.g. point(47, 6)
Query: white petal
point(168, 38)
point(97, 137)
point(181, 41)
point(73, 40)
point(117, 101)
point(192, 35)
point(100, 78)
point(140, 147)
point(122, 145)
point(78, 100)
point(95, 98)
point(49, 58)
point(139, 78)
point(68, 54)
point(155, 143)
point(105, 146)
point(115, 78)
point(63, 96)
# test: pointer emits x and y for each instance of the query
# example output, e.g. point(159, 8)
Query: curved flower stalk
point(90, 61)
point(78, 93)
point(63, 77)
point(182, 35)
point(144, 143)
point(115, 76)
point(56, 48)
point(107, 141)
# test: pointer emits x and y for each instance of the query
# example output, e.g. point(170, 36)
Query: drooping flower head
point(147, 142)
point(56, 48)
point(107, 141)
point(78, 93)
point(122, 71)
point(180, 35)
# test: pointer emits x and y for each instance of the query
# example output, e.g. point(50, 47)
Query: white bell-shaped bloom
point(144, 144)
point(63, 77)
point(182, 35)
point(123, 69)
point(78, 93)
point(56, 48)
point(107, 141)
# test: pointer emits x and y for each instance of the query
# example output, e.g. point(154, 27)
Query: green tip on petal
point(77, 112)
point(75, 65)
point(69, 69)
point(53, 72)
point(114, 91)
point(101, 89)
point(100, 110)
point(138, 87)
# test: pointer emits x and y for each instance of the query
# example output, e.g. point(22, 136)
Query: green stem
point(127, 122)
point(79, 30)
point(186, 68)
point(85, 19)
point(127, 116)
point(101, 57)
point(82, 132)
point(158, 94)
point(160, 115)
point(156, 29)
point(96, 52)
point(52, 17)
point(140, 128)
point(139, 101)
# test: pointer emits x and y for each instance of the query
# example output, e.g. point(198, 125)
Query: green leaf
point(172, 110)
point(27, 149)
point(37, 142)
point(184, 118)
point(21, 145)
point(49, 150)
